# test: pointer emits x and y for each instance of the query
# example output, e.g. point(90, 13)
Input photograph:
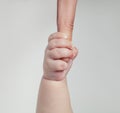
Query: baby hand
point(59, 55)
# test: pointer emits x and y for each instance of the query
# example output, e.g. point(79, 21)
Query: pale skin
point(59, 55)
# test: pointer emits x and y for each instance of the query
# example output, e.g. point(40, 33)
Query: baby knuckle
point(57, 52)
point(51, 54)
point(47, 62)
point(51, 37)
point(61, 65)
point(67, 52)
point(51, 44)
point(54, 42)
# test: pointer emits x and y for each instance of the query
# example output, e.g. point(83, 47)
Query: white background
point(94, 78)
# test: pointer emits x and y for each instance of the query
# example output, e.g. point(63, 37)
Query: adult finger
point(65, 16)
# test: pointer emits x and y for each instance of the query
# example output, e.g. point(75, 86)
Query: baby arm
point(53, 93)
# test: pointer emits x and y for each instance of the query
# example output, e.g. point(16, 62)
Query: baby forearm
point(53, 97)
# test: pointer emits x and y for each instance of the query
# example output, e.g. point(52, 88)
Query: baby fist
point(59, 55)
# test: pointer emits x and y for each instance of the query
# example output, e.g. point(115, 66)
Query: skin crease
point(53, 96)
